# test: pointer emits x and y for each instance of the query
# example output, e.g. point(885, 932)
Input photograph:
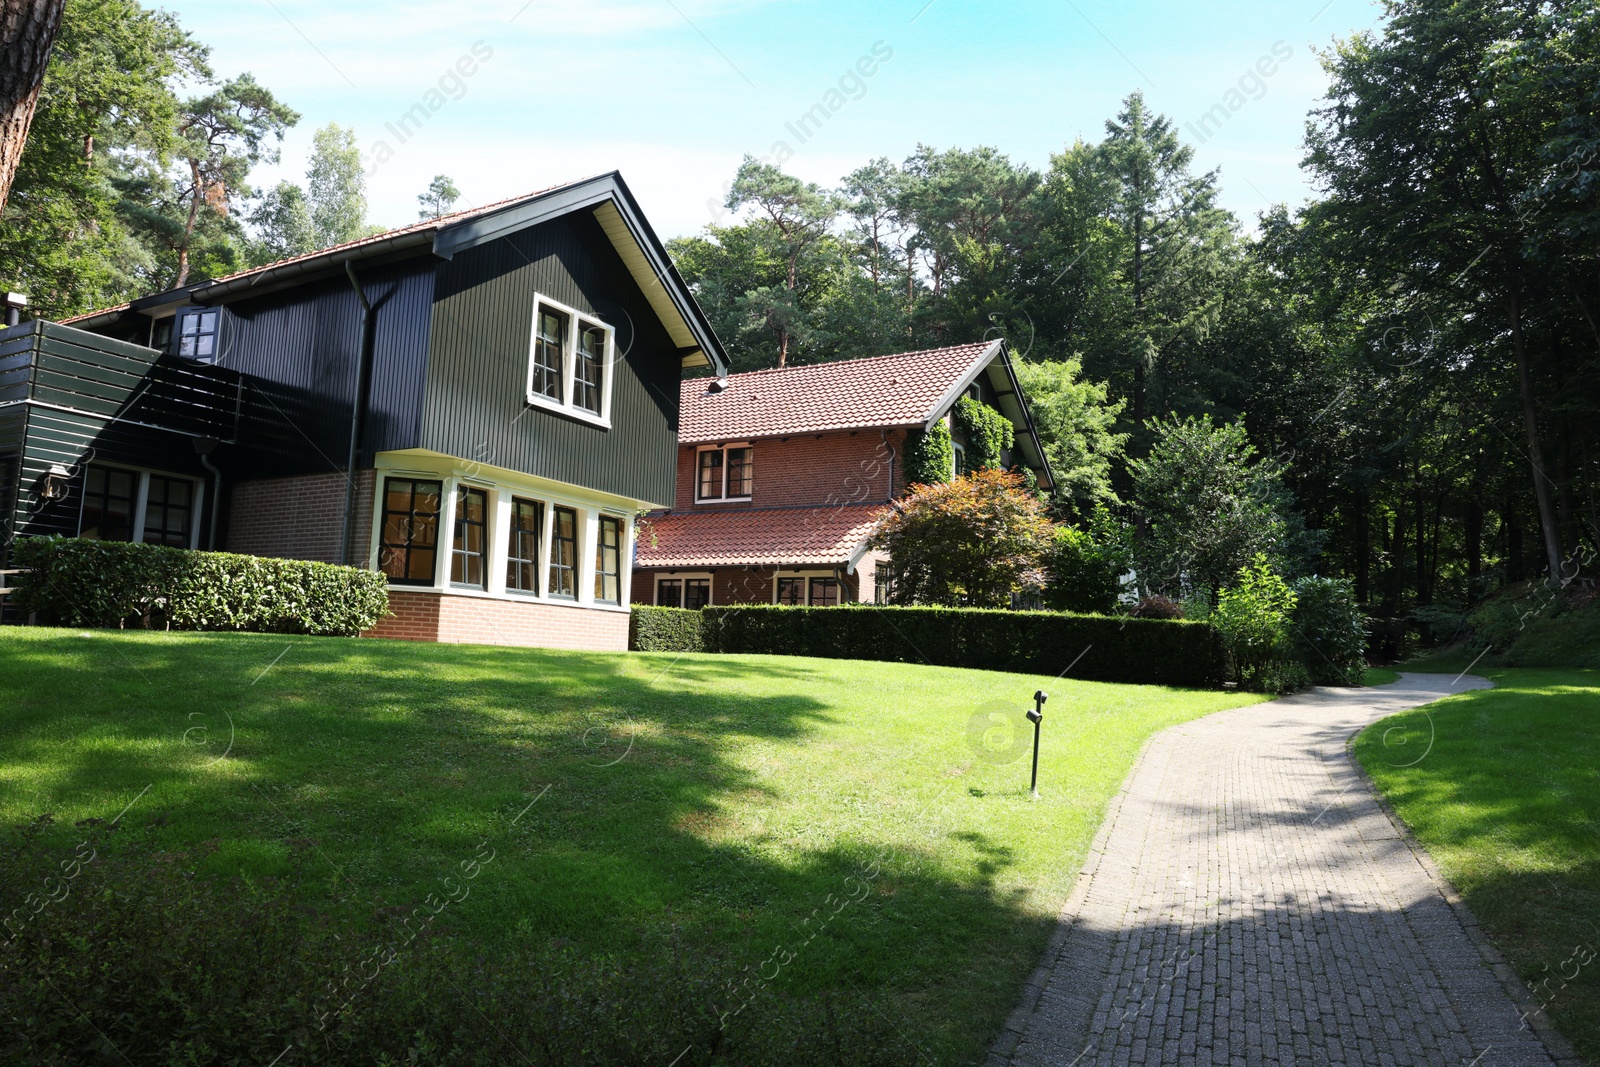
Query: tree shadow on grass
point(611, 790)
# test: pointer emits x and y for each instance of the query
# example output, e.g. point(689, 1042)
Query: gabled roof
point(906, 389)
point(823, 535)
point(606, 195)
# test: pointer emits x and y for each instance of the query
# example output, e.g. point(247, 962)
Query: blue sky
point(674, 92)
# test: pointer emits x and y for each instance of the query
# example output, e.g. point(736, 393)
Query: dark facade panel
point(296, 350)
point(475, 405)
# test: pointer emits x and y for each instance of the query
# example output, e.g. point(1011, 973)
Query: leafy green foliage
point(283, 225)
point(657, 629)
point(1134, 651)
point(440, 198)
point(988, 432)
point(107, 583)
point(975, 540)
point(1328, 630)
point(1253, 617)
point(1074, 420)
point(930, 455)
point(1209, 506)
point(1086, 568)
point(336, 186)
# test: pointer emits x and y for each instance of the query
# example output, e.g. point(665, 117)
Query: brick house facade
point(782, 475)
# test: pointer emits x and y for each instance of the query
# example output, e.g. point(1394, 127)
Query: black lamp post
point(1036, 716)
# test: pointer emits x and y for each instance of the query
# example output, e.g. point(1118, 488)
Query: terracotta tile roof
point(756, 536)
point(898, 390)
point(399, 231)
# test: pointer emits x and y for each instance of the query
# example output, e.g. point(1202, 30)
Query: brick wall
point(454, 619)
point(299, 518)
point(810, 469)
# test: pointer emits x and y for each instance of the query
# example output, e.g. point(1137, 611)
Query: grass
point(1507, 801)
point(1379, 676)
point(727, 797)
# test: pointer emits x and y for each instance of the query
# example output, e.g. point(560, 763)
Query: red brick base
point(473, 620)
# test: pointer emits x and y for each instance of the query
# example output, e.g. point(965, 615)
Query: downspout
point(884, 434)
point(358, 411)
point(204, 446)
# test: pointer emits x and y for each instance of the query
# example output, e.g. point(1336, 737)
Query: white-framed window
point(725, 472)
point(810, 588)
point(570, 362)
point(124, 504)
point(683, 590)
point(197, 333)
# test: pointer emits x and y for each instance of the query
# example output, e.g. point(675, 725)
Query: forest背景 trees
point(439, 199)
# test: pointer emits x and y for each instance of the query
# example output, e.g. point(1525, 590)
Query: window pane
point(741, 471)
point(406, 551)
point(107, 505)
point(467, 555)
point(824, 593)
point(608, 561)
point(166, 512)
point(564, 554)
point(696, 593)
point(550, 338)
point(711, 474)
point(590, 368)
point(791, 590)
point(522, 552)
point(669, 593)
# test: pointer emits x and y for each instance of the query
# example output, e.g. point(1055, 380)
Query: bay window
point(522, 549)
point(564, 554)
point(470, 549)
point(409, 541)
point(608, 561)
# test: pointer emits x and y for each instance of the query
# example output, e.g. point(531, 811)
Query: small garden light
point(1036, 716)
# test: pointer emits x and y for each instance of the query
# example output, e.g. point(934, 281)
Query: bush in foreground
point(75, 582)
point(654, 629)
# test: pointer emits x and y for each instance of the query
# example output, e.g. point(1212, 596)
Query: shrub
point(1329, 631)
point(976, 540)
point(1085, 572)
point(1139, 651)
point(653, 629)
point(74, 582)
point(1253, 618)
point(1157, 606)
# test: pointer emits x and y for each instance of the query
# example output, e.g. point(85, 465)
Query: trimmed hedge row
point(74, 582)
point(653, 629)
point(1095, 647)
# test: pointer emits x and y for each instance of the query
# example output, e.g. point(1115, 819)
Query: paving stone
point(1248, 901)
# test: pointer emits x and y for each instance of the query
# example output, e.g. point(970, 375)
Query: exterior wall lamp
point(55, 483)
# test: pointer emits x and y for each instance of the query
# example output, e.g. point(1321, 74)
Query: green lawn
point(1507, 801)
point(729, 798)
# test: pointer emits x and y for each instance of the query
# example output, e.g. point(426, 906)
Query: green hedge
point(1096, 647)
point(73, 582)
point(655, 629)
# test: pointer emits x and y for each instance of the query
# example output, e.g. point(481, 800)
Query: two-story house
point(478, 405)
point(784, 474)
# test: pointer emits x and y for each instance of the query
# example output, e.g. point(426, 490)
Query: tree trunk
point(1474, 538)
point(1516, 569)
point(1530, 415)
point(27, 34)
point(188, 226)
point(1363, 550)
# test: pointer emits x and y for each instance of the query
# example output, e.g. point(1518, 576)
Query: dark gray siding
point(296, 350)
point(475, 403)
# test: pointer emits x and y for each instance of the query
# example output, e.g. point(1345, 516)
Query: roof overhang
point(996, 362)
point(607, 196)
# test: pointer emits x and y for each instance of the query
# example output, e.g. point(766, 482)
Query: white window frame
point(141, 497)
point(576, 321)
point(805, 574)
point(680, 576)
point(724, 498)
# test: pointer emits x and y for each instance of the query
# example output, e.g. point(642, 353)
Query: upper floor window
point(726, 473)
point(570, 366)
point(197, 334)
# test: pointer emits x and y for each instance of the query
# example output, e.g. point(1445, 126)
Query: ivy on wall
point(930, 456)
point(989, 433)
